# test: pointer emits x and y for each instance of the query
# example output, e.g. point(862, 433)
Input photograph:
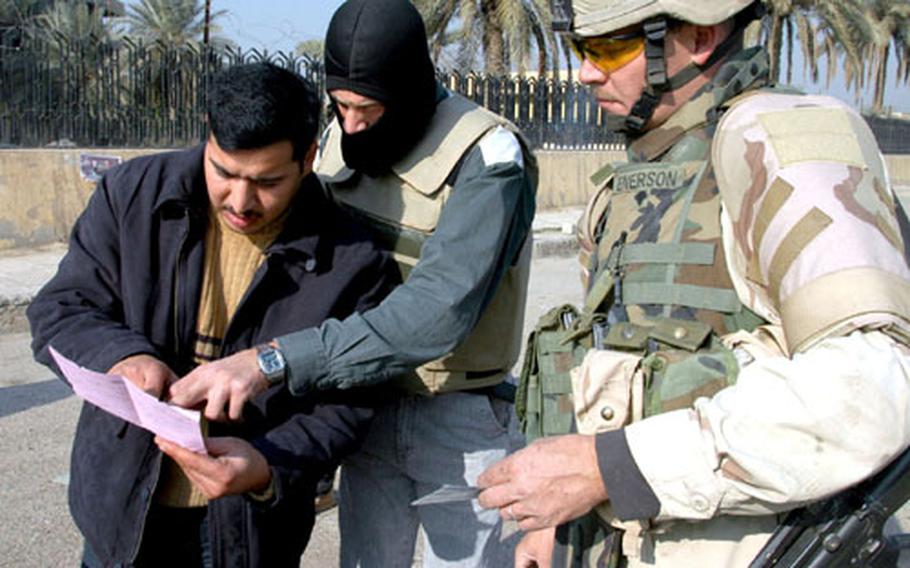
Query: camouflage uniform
point(748, 285)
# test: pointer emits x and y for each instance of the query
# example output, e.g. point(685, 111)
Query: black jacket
point(130, 284)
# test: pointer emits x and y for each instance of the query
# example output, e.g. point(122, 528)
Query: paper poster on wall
point(91, 166)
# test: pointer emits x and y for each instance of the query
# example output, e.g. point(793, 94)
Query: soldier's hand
point(232, 466)
point(536, 549)
point(146, 372)
point(551, 481)
point(223, 384)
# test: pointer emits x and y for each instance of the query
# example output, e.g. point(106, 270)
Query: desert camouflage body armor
point(654, 269)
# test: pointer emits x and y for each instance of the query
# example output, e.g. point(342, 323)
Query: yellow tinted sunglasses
point(609, 53)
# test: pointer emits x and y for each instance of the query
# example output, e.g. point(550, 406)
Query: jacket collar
point(183, 182)
point(308, 221)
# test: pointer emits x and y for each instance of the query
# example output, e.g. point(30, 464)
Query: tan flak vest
point(404, 208)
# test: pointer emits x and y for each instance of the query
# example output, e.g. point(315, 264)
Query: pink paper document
point(123, 399)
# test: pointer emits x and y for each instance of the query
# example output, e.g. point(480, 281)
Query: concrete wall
point(899, 168)
point(42, 191)
point(565, 177)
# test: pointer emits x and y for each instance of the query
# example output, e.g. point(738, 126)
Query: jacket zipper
point(181, 256)
point(178, 298)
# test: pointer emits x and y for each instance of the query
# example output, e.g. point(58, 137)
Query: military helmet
point(591, 18)
point(598, 17)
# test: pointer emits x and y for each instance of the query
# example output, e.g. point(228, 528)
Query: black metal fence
point(153, 95)
point(893, 136)
point(113, 94)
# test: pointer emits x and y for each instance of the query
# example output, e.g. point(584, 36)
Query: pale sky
point(275, 25)
point(279, 25)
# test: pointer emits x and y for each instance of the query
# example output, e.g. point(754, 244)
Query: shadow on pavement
point(19, 398)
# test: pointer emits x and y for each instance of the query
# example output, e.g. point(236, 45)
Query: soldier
point(748, 301)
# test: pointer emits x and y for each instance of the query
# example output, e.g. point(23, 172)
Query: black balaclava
point(378, 49)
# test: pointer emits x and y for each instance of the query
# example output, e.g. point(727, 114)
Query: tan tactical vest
point(404, 208)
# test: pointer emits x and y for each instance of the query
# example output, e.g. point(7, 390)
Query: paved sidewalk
point(24, 271)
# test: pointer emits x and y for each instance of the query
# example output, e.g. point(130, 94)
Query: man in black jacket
point(185, 257)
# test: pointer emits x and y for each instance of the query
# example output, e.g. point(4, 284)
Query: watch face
point(271, 363)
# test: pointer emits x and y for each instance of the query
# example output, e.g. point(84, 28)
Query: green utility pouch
point(544, 399)
point(675, 378)
point(682, 361)
point(587, 542)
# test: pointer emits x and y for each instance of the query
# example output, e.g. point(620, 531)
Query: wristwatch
point(271, 363)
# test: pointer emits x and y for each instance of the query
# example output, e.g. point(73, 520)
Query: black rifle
point(845, 530)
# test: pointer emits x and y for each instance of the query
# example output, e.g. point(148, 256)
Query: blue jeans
point(414, 446)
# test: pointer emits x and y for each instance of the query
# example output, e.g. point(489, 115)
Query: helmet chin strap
point(656, 72)
point(656, 75)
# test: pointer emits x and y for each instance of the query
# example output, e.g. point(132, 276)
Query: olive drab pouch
point(675, 378)
point(557, 345)
point(587, 542)
point(644, 370)
point(635, 371)
point(544, 405)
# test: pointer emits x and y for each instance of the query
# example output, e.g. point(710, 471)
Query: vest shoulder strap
point(456, 126)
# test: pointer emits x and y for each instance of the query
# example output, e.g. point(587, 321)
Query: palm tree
point(507, 32)
point(16, 16)
point(884, 29)
point(312, 49)
point(58, 19)
point(73, 41)
point(838, 41)
point(172, 22)
point(821, 28)
point(784, 18)
point(73, 22)
point(167, 58)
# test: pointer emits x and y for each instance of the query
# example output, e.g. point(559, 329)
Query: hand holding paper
point(456, 493)
point(125, 400)
point(232, 467)
point(146, 372)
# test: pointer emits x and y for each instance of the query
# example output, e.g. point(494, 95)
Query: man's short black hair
point(254, 105)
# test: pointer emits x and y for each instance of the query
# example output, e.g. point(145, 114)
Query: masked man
point(448, 188)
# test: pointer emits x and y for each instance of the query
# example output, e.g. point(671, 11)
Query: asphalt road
point(37, 417)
